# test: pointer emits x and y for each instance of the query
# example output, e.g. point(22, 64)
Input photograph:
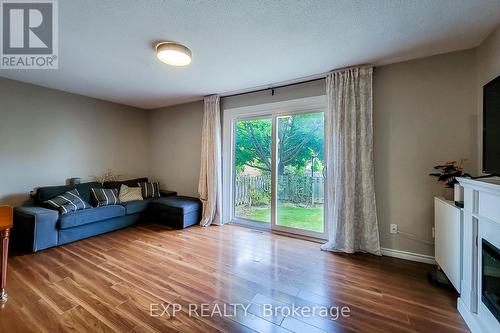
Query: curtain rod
point(318, 77)
point(272, 88)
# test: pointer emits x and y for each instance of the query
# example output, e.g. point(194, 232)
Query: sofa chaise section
point(178, 212)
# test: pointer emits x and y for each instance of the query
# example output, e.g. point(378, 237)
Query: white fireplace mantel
point(481, 221)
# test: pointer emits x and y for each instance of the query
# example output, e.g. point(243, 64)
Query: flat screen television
point(491, 127)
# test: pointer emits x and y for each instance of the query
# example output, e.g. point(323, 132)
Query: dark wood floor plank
point(96, 306)
point(46, 290)
point(163, 320)
point(80, 320)
point(48, 321)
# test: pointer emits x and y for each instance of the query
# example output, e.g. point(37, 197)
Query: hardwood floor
point(123, 282)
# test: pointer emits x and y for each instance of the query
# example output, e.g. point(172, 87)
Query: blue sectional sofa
point(38, 227)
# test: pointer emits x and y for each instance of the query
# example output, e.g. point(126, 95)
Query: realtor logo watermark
point(29, 36)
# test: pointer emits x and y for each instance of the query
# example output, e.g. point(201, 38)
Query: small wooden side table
point(5, 226)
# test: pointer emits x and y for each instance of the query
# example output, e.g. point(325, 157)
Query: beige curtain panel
point(350, 208)
point(210, 183)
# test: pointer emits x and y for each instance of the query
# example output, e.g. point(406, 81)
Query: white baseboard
point(408, 256)
point(468, 317)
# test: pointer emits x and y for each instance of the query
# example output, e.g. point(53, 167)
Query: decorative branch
point(107, 176)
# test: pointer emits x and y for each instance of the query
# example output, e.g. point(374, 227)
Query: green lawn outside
point(294, 217)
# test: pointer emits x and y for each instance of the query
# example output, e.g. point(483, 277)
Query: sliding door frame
point(272, 111)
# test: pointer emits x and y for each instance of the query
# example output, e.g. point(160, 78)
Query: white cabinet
point(448, 226)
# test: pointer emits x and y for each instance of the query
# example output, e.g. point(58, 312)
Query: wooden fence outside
point(300, 190)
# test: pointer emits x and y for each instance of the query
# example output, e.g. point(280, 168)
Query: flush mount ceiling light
point(173, 54)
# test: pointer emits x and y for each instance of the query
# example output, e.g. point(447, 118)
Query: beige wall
point(47, 136)
point(175, 146)
point(488, 58)
point(424, 114)
point(488, 68)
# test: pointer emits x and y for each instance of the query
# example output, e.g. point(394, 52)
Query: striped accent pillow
point(150, 190)
point(68, 202)
point(104, 196)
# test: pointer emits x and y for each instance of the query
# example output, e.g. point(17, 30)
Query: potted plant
point(447, 175)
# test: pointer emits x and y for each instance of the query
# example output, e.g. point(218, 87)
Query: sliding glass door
point(252, 170)
point(276, 161)
point(299, 172)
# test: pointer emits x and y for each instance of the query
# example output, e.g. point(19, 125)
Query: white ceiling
point(105, 47)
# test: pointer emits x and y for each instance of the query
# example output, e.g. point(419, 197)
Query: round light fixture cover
point(173, 54)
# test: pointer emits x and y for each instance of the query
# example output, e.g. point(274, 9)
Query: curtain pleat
point(350, 207)
point(210, 182)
